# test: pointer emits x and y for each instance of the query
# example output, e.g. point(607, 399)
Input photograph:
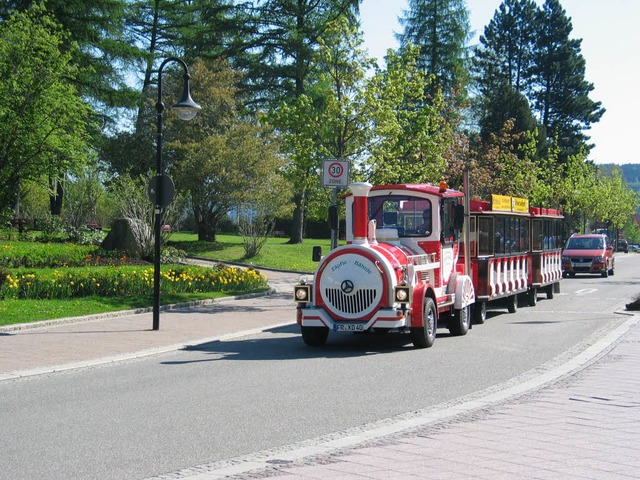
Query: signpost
point(335, 174)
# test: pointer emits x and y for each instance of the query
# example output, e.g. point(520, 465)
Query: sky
point(610, 47)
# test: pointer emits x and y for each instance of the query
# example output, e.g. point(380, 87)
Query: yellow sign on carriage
point(505, 203)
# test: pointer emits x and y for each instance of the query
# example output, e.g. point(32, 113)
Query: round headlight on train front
point(402, 294)
point(302, 294)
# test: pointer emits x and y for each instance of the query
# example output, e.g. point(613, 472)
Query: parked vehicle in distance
point(588, 253)
point(623, 245)
point(634, 248)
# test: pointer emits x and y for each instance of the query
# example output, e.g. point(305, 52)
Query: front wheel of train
point(315, 336)
point(460, 322)
point(423, 337)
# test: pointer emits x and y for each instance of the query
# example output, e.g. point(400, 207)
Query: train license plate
point(348, 327)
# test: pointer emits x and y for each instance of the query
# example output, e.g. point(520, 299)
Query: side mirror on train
point(316, 256)
point(458, 217)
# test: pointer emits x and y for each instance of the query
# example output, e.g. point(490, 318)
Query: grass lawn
point(26, 311)
point(276, 253)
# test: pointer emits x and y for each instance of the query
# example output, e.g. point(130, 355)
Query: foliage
point(83, 191)
point(98, 44)
point(410, 137)
point(43, 121)
point(170, 254)
point(508, 160)
point(527, 52)
point(222, 159)
point(329, 121)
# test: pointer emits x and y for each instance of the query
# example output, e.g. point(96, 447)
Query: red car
point(589, 253)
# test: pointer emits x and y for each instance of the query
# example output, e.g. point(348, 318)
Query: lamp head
point(186, 108)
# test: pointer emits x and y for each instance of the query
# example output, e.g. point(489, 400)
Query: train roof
point(421, 188)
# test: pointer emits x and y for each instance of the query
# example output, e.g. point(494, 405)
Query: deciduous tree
point(44, 123)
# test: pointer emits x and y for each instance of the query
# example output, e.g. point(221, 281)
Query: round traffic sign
point(336, 169)
point(164, 185)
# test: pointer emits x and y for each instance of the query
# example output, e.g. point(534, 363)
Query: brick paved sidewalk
point(109, 338)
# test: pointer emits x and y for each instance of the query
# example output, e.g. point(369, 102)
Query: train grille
point(352, 303)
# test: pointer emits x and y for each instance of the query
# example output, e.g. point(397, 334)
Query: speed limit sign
point(335, 173)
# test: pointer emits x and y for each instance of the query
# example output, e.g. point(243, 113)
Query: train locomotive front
point(390, 276)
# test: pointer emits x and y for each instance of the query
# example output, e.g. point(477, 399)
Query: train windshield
point(410, 216)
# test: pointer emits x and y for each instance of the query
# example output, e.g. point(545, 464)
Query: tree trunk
point(298, 219)
point(206, 224)
point(56, 195)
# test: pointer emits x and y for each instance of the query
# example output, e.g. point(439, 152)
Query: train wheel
point(460, 322)
point(512, 303)
point(423, 337)
point(532, 296)
point(479, 312)
point(315, 336)
point(549, 291)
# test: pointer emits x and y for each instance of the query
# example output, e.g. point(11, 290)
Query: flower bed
point(126, 280)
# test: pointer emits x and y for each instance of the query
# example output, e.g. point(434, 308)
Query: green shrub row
point(41, 255)
point(125, 280)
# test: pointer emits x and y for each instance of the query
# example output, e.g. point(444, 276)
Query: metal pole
point(467, 223)
point(335, 230)
point(158, 207)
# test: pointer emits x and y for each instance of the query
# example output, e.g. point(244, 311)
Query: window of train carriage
point(523, 242)
point(485, 236)
point(516, 235)
point(551, 234)
point(537, 235)
point(511, 235)
point(499, 236)
point(448, 234)
point(411, 216)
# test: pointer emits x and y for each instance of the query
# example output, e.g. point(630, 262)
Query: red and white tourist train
point(419, 255)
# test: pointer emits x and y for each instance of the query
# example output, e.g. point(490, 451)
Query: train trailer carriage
point(515, 251)
point(405, 266)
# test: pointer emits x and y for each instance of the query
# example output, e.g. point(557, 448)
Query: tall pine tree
point(561, 92)
point(505, 53)
point(441, 30)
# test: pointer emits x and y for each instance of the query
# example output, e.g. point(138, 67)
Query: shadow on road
point(286, 344)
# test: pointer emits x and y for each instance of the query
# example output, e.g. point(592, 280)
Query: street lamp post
point(186, 109)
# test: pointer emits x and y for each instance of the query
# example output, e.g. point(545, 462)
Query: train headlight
point(302, 293)
point(402, 294)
